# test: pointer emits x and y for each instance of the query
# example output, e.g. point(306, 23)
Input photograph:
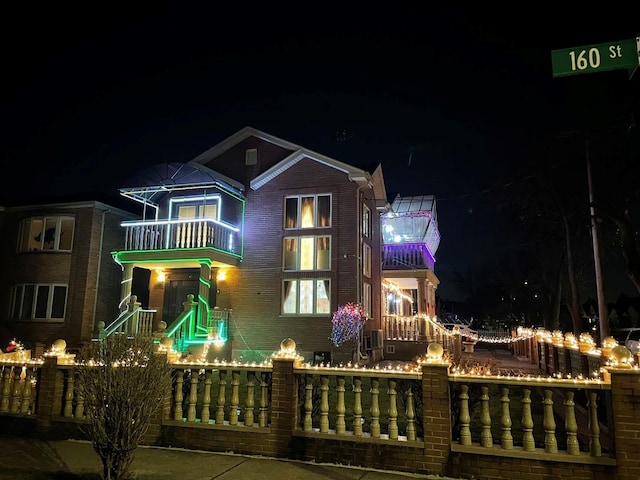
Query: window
point(366, 221)
point(308, 211)
point(366, 260)
point(366, 300)
point(199, 206)
point(309, 296)
point(39, 302)
point(307, 253)
point(46, 234)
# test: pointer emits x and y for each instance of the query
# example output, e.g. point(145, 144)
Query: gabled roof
point(298, 152)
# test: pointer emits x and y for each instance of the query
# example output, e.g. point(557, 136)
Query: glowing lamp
point(161, 275)
point(288, 346)
point(622, 355)
point(59, 347)
point(221, 276)
point(435, 351)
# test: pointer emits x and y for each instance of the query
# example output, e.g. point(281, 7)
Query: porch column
point(422, 300)
point(203, 294)
point(125, 286)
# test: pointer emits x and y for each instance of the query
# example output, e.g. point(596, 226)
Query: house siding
point(254, 290)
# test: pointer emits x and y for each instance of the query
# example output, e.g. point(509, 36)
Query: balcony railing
point(191, 233)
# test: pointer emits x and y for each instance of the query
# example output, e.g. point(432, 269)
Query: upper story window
point(186, 208)
point(307, 253)
point(366, 221)
point(54, 233)
point(307, 211)
point(366, 260)
point(37, 301)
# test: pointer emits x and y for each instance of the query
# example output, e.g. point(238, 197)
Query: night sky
point(450, 99)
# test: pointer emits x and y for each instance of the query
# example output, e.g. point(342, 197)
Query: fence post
point(284, 404)
point(436, 418)
point(625, 390)
point(50, 392)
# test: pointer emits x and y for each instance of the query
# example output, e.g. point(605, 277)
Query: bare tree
point(123, 382)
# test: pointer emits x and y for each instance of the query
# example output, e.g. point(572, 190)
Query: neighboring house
point(58, 278)
point(254, 241)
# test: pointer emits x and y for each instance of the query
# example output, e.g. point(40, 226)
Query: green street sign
point(624, 54)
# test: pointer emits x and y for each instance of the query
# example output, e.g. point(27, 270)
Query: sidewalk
point(27, 459)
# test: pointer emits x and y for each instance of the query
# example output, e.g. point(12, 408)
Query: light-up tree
point(347, 323)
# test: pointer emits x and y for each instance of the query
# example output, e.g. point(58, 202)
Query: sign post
point(624, 54)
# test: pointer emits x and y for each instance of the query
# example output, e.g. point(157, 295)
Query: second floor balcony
point(194, 233)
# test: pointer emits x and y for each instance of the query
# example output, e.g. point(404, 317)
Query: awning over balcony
point(152, 183)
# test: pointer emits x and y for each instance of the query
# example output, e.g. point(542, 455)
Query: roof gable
point(354, 174)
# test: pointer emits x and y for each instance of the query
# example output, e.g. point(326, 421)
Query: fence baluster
point(528, 441)
point(68, 404)
point(465, 418)
point(393, 409)
point(248, 415)
point(357, 406)
point(264, 399)
point(308, 404)
point(222, 394)
point(411, 414)
point(193, 396)
point(205, 413)
point(505, 420)
point(549, 424)
point(79, 413)
point(486, 439)
point(570, 424)
point(375, 408)
point(235, 397)
point(324, 404)
point(177, 400)
point(341, 425)
point(594, 426)
point(6, 389)
point(16, 395)
point(25, 405)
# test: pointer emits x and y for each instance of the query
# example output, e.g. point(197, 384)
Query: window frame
point(298, 241)
point(32, 293)
point(287, 214)
point(63, 224)
point(298, 291)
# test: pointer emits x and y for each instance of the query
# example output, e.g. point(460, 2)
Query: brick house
point(253, 241)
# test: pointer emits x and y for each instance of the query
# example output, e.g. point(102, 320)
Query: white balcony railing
point(192, 233)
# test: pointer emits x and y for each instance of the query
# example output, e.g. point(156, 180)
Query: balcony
point(178, 234)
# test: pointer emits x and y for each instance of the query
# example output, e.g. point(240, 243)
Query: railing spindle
point(222, 394)
point(505, 420)
point(594, 426)
point(549, 424)
point(324, 404)
point(177, 399)
point(570, 424)
point(465, 418)
point(235, 398)
point(205, 414)
point(486, 439)
point(248, 414)
point(357, 406)
point(393, 409)
point(375, 408)
point(528, 441)
point(193, 396)
point(341, 425)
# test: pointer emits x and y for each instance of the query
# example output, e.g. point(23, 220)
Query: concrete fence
point(429, 418)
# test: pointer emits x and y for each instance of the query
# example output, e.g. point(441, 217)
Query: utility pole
point(603, 313)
